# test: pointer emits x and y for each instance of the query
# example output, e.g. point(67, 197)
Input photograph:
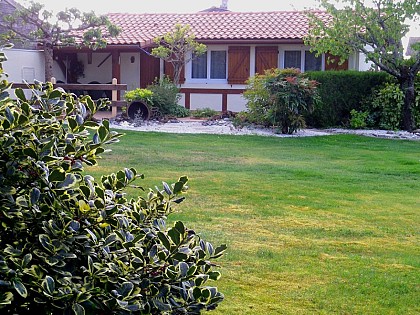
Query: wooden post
point(114, 98)
point(53, 80)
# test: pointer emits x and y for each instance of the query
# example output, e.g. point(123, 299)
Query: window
point(199, 67)
point(210, 65)
point(312, 63)
point(302, 59)
point(292, 59)
point(218, 65)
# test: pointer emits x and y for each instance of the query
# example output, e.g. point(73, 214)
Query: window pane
point(312, 63)
point(292, 59)
point(218, 65)
point(199, 67)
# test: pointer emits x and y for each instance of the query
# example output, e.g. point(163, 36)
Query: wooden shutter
point(149, 69)
point(266, 57)
point(238, 60)
point(334, 65)
point(169, 71)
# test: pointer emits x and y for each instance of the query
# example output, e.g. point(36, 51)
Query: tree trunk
point(407, 87)
point(49, 60)
point(177, 73)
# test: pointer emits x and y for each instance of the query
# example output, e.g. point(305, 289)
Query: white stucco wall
point(363, 65)
point(100, 70)
point(25, 65)
point(130, 71)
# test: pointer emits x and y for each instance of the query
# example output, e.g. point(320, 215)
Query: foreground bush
point(280, 98)
point(73, 245)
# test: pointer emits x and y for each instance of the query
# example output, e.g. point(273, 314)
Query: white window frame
point(303, 50)
point(190, 79)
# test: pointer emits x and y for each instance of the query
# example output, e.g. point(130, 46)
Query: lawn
point(317, 225)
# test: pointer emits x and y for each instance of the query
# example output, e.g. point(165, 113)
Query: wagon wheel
point(156, 114)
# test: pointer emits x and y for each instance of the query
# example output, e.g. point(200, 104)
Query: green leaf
point(165, 240)
point(55, 94)
point(20, 94)
point(72, 123)
point(9, 115)
point(180, 227)
point(163, 307)
point(78, 309)
point(20, 288)
point(83, 297)
point(167, 188)
point(196, 293)
point(183, 179)
point(6, 298)
point(102, 133)
point(35, 194)
point(214, 275)
point(178, 187)
point(175, 236)
point(57, 175)
point(105, 123)
point(26, 260)
point(48, 284)
point(45, 241)
point(126, 289)
point(68, 182)
point(219, 251)
point(183, 268)
point(91, 105)
point(30, 152)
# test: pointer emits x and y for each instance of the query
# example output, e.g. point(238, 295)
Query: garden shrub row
point(340, 93)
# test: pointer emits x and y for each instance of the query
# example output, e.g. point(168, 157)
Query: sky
point(186, 6)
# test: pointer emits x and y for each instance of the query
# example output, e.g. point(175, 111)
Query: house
point(239, 45)
point(410, 52)
point(25, 62)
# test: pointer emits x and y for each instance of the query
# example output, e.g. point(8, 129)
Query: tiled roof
point(213, 26)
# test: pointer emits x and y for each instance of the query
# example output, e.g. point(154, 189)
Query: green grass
point(319, 225)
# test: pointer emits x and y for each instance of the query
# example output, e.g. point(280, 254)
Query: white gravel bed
point(226, 127)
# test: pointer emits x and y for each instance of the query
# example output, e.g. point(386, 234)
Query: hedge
point(340, 92)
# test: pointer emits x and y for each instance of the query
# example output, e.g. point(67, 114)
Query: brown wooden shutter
point(239, 60)
point(266, 57)
point(334, 65)
point(169, 71)
point(149, 69)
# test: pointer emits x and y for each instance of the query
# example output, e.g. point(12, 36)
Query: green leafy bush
point(73, 245)
point(205, 112)
point(340, 92)
point(386, 106)
point(279, 98)
point(138, 94)
point(180, 111)
point(165, 96)
point(358, 119)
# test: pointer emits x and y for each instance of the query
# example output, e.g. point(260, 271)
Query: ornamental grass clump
point(280, 98)
point(70, 244)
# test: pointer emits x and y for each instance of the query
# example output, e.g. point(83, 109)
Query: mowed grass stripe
point(319, 225)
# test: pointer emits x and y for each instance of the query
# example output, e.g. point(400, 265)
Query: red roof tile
point(219, 26)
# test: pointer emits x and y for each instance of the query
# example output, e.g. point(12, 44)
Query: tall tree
point(178, 48)
point(68, 27)
point(376, 30)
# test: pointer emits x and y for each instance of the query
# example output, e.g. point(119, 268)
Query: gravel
point(226, 127)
